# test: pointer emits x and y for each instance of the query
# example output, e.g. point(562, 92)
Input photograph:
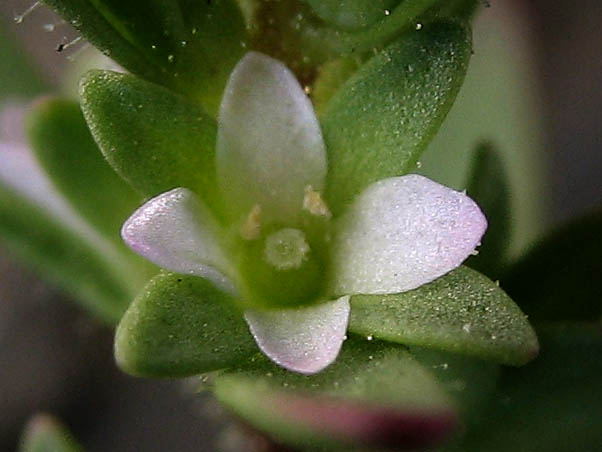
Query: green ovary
point(284, 268)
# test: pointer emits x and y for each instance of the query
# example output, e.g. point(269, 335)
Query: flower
point(271, 238)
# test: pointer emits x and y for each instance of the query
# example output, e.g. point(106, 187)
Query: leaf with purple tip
point(375, 394)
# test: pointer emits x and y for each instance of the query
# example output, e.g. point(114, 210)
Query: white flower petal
point(177, 232)
point(269, 143)
point(403, 232)
point(304, 340)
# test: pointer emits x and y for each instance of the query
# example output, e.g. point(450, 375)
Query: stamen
point(314, 204)
point(251, 229)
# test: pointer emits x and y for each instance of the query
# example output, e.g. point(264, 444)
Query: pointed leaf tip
point(383, 117)
point(461, 312)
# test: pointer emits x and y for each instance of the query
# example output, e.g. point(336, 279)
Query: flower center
point(286, 249)
point(284, 267)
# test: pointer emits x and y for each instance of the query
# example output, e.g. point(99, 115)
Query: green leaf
point(321, 42)
point(153, 138)
point(383, 117)
point(190, 46)
point(461, 312)
point(218, 41)
point(64, 147)
point(558, 278)
point(71, 255)
point(352, 14)
point(488, 186)
point(43, 433)
point(181, 325)
point(374, 394)
point(553, 404)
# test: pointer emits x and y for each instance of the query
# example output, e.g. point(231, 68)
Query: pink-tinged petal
point(269, 142)
point(304, 340)
point(403, 232)
point(176, 231)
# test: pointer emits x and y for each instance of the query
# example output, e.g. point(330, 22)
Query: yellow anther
point(314, 204)
point(251, 228)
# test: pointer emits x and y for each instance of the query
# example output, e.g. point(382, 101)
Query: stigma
point(286, 249)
